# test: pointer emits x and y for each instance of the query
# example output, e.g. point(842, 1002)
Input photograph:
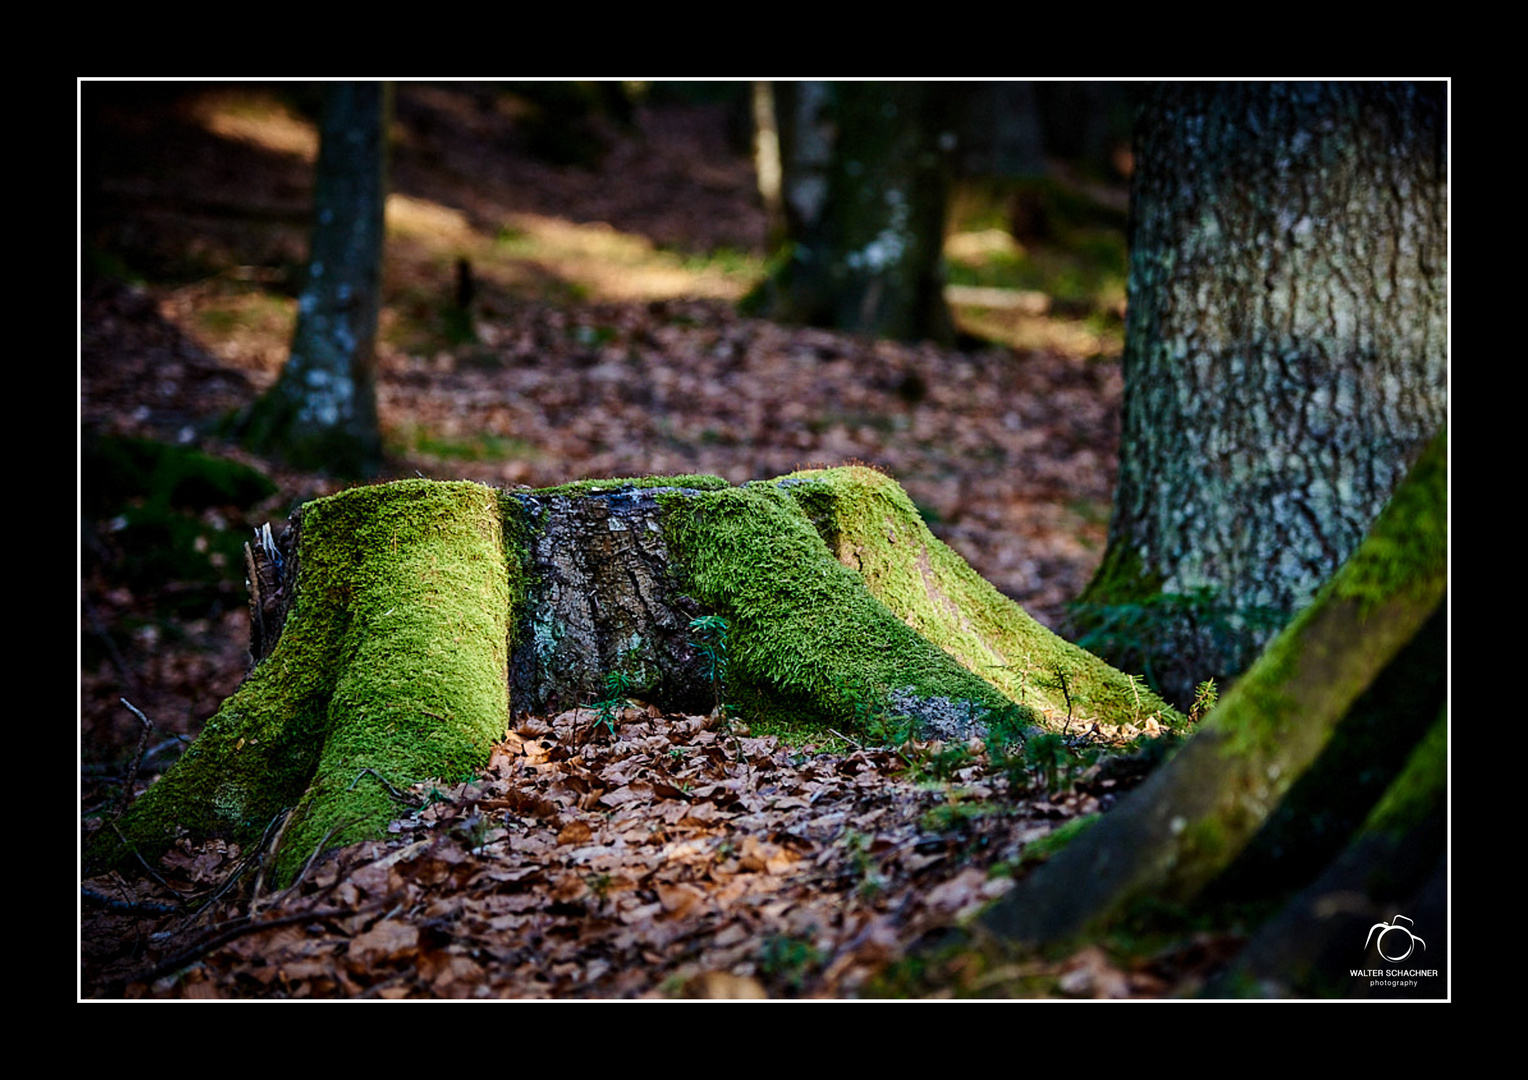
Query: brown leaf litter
point(655, 864)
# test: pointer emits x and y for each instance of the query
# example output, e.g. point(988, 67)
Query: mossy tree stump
point(397, 625)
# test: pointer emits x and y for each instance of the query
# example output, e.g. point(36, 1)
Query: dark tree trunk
point(322, 413)
point(1285, 358)
point(866, 182)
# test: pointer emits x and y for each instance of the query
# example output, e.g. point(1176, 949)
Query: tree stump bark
point(396, 626)
point(602, 597)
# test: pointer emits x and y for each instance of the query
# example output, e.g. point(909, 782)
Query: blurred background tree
point(322, 412)
point(866, 170)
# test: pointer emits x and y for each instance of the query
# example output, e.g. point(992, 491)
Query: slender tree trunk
point(1002, 136)
point(866, 183)
point(1285, 358)
point(766, 159)
point(322, 412)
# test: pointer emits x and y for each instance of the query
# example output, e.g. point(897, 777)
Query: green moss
point(871, 526)
point(1260, 712)
point(155, 497)
point(1204, 840)
point(1056, 839)
point(955, 814)
point(1402, 561)
point(1407, 547)
point(1177, 640)
point(697, 482)
point(1367, 752)
point(394, 659)
point(423, 685)
point(1419, 789)
point(1122, 578)
point(803, 624)
point(115, 469)
point(1271, 725)
point(392, 667)
point(836, 588)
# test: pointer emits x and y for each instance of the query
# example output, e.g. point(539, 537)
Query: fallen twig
point(400, 796)
point(145, 863)
point(846, 738)
point(143, 740)
point(317, 850)
point(250, 858)
point(223, 937)
point(130, 907)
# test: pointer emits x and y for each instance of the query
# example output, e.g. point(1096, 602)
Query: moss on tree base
point(390, 669)
point(413, 601)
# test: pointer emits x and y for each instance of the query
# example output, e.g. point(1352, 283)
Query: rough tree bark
point(1345, 670)
point(322, 412)
point(1285, 357)
point(403, 621)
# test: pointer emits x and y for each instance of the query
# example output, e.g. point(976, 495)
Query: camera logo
point(1402, 940)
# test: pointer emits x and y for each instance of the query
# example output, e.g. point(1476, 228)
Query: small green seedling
point(619, 685)
point(710, 640)
point(788, 959)
point(709, 637)
point(1206, 697)
point(617, 689)
point(872, 714)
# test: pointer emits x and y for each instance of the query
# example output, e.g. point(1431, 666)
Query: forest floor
point(598, 338)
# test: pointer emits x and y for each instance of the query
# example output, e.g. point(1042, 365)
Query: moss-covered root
point(872, 527)
point(1181, 828)
point(392, 668)
point(1309, 948)
point(808, 639)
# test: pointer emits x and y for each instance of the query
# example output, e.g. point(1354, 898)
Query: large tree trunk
point(1340, 664)
point(397, 625)
point(1285, 358)
point(866, 182)
point(322, 412)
